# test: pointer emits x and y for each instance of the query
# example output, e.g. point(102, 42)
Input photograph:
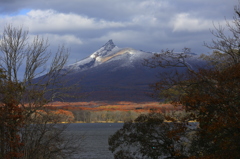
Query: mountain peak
point(109, 45)
point(104, 50)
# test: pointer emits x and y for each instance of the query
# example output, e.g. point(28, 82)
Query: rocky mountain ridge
point(113, 74)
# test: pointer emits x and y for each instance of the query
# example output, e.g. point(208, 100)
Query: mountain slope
point(107, 54)
point(113, 74)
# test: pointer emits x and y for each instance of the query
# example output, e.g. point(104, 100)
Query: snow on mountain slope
point(116, 74)
point(108, 53)
point(105, 50)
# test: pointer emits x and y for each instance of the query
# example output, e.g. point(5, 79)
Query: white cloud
point(52, 21)
point(63, 39)
point(184, 22)
point(145, 20)
point(83, 25)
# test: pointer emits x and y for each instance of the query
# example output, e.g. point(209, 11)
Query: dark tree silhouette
point(210, 94)
point(148, 136)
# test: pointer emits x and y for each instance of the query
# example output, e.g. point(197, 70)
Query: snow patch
point(93, 56)
point(98, 59)
point(122, 57)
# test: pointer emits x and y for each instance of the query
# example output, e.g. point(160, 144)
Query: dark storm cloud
point(150, 25)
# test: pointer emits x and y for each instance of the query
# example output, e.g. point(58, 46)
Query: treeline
point(94, 112)
point(87, 116)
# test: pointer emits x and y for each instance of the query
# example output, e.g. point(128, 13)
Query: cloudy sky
point(151, 25)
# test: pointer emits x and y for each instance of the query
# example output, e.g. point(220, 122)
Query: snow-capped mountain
point(125, 57)
point(113, 74)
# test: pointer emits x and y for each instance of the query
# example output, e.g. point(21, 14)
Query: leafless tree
point(31, 78)
point(226, 44)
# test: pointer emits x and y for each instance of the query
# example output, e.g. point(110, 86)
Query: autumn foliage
point(210, 95)
point(214, 99)
point(112, 106)
point(11, 119)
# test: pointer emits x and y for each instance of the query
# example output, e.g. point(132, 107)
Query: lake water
point(95, 143)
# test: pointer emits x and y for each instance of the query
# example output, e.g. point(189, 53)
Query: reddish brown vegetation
point(113, 106)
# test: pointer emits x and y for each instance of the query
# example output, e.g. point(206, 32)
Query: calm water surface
point(95, 143)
